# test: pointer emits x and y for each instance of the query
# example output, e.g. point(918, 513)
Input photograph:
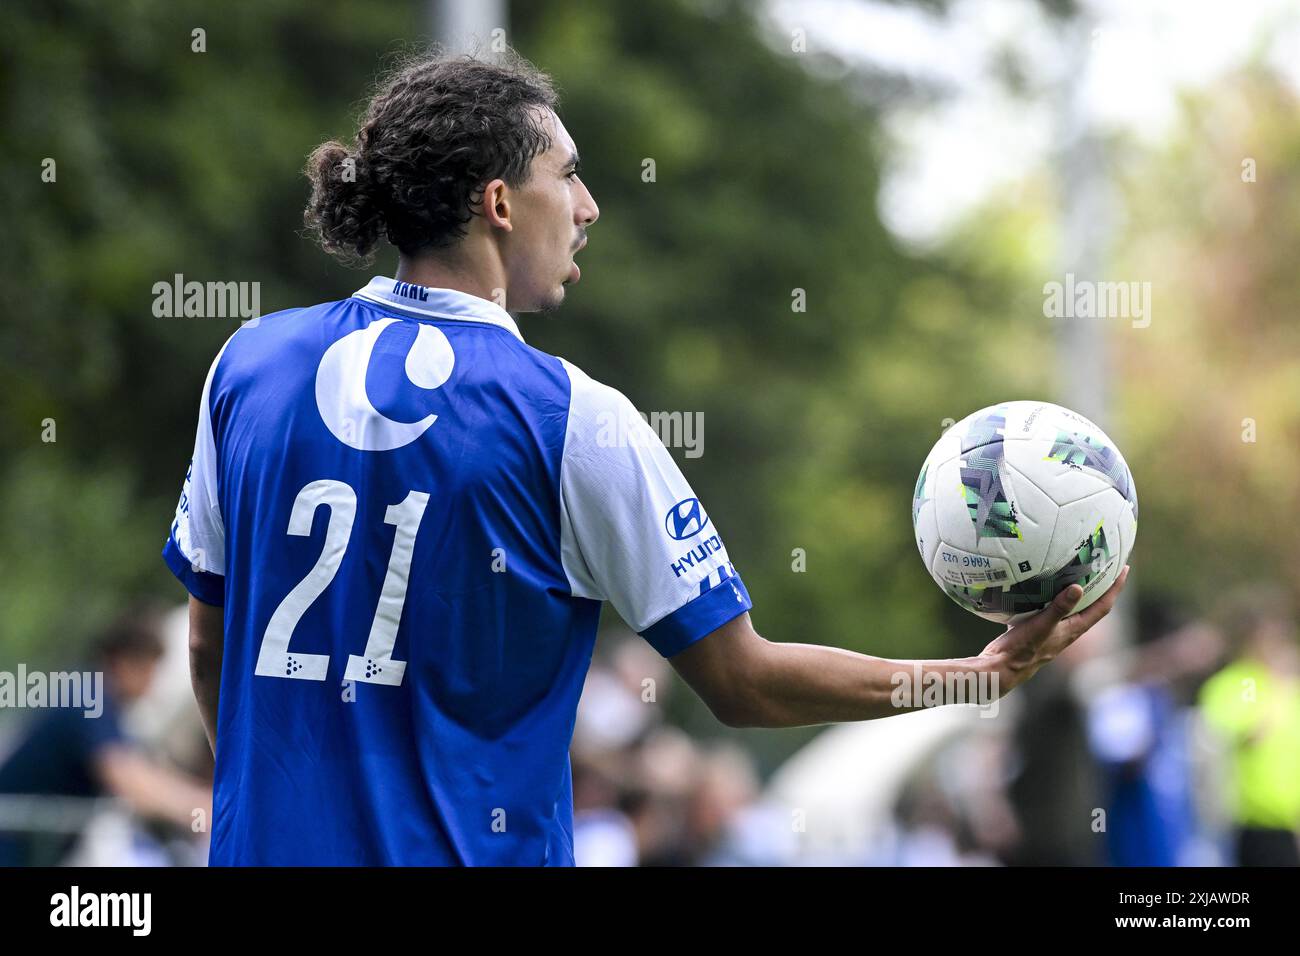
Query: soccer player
point(400, 520)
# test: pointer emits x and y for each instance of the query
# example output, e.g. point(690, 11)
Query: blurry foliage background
point(767, 172)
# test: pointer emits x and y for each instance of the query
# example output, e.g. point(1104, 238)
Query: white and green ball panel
point(1024, 531)
point(1091, 558)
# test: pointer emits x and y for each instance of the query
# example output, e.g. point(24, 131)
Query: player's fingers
point(1096, 611)
point(1047, 619)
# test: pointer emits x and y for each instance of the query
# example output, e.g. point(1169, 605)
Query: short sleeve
point(632, 530)
point(195, 550)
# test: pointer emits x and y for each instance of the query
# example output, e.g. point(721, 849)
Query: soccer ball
point(1017, 502)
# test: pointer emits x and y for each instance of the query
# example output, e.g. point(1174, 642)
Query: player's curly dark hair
point(439, 129)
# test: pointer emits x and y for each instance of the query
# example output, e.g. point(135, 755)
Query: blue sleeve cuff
point(702, 616)
point(207, 587)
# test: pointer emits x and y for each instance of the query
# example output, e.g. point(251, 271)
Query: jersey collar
point(436, 303)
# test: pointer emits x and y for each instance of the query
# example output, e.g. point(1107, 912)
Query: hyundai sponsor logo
point(697, 557)
point(685, 519)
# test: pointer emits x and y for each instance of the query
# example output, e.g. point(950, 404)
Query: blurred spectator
point(646, 794)
point(618, 709)
point(1254, 703)
point(603, 837)
point(68, 752)
point(953, 810)
point(1055, 785)
point(619, 698)
point(929, 831)
point(664, 770)
point(603, 834)
point(727, 824)
point(1142, 733)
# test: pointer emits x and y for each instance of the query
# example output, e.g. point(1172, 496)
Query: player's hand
point(1023, 648)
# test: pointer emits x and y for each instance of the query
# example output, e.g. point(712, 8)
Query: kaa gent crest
point(341, 386)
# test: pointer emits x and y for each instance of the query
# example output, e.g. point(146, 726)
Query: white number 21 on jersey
point(376, 664)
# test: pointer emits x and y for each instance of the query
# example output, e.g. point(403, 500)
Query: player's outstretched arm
point(751, 682)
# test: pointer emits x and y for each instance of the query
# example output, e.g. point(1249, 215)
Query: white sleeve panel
point(198, 529)
point(632, 531)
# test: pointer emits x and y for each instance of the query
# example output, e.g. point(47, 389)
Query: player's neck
point(436, 274)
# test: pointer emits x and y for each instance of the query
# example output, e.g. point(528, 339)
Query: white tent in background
point(847, 780)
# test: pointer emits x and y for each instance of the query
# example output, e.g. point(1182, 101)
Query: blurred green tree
point(764, 191)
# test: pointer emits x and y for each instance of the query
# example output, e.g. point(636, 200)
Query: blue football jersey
point(411, 519)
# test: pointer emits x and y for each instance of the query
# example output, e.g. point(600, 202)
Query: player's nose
point(587, 211)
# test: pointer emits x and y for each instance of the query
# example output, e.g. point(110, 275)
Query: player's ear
point(496, 205)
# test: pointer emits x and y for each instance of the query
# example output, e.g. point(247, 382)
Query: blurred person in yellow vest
point(1254, 704)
